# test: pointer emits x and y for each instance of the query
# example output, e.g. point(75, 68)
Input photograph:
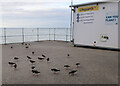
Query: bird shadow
point(73, 75)
point(49, 62)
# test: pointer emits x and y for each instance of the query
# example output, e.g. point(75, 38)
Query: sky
point(36, 13)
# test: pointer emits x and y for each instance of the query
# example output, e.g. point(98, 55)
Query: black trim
point(96, 47)
point(92, 3)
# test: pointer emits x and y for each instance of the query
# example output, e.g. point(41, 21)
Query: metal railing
point(14, 35)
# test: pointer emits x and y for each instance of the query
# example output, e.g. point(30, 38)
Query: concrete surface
point(0, 64)
point(97, 66)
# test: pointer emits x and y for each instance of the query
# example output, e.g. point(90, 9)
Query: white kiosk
point(97, 24)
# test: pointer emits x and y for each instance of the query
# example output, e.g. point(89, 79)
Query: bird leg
point(11, 65)
point(15, 69)
point(72, 74)
point(37, 74)
point(33, 64)
point(33, 74)
point(54, 72)
point(77, 66)
point(66, 68)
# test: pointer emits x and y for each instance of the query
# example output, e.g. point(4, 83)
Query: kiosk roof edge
point(95, 2)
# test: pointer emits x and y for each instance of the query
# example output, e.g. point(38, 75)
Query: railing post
point(54, 34)
point(37, 34)
point(23, 35)
point(70, 34)
point(66, 34)
point(49, 34)
point(5, 35)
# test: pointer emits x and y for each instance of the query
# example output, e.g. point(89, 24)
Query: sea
point(17, 35)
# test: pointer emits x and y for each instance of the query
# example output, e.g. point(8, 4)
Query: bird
point(22, 43)
point(33, 67)
point(35, 72)
point(32, 61)
point(78, 64)
point(68, 55)
point(11, 63)
point(40, 58)
point(16, 58)
point(48, 59)
point(43, 55)
point(27, 47)
point(72, 72)
point(55, 70)
point(15, 66)
point(66, 66)
point(28, 57)
point(11, 46)
point(33, 52)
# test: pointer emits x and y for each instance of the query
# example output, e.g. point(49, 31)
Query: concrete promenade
point(97, 66)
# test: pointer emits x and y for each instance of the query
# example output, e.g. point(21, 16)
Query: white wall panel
point(86, 34)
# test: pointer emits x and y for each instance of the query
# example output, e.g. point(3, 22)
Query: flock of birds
point(42, 57)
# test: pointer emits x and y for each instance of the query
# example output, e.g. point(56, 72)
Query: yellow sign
point(90, 8)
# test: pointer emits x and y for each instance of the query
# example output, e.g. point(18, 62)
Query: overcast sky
point(36, 13)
